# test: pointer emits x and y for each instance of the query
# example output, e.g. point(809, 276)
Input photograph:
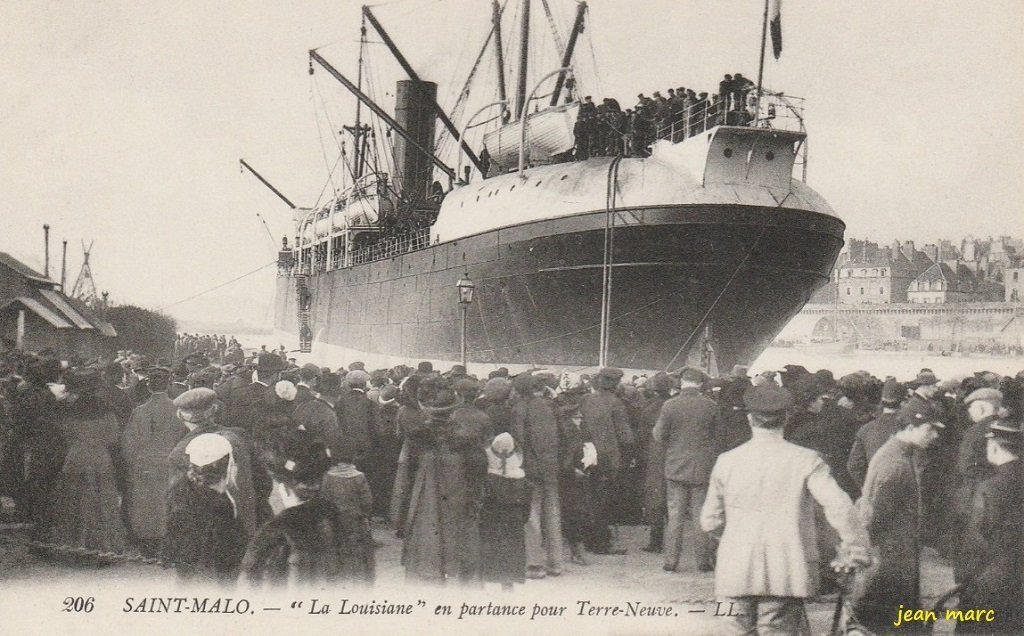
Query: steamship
point(697, 253)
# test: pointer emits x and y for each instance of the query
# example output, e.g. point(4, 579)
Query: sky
point(122, 122)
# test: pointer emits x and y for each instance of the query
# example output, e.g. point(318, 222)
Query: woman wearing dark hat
point(442, 539)
point(85, 510)
point(309, 542)
point(205, 539)
point(37, 442)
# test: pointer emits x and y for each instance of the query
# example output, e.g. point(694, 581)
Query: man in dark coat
point(891, 510)
point(652, 451)
point(152, 432)
point(197, 409)
point(243, 403)
point(316, 414)
point(309, 375)
point(821, 425)
point(972, 465)
point(877, 432)
point(37, 437)
point(994, 577)
point(535, 430)
point(355, 414)
point(686, 427)
point(605, 416)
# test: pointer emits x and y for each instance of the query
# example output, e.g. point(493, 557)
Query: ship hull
point(690, 284)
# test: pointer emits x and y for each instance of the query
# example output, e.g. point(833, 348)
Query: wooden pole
point(760, 65)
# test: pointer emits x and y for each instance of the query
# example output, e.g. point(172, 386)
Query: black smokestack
point(414, 112)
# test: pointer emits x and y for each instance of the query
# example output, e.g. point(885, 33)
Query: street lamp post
point(466, 289)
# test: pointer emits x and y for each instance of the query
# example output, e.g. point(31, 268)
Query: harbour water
point(900, 364)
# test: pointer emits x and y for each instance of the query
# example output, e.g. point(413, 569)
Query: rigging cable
point(718, 298)
point(607, 262)
point(320, 137)
point(216, 287)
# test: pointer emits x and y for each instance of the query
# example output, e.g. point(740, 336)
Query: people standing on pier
point(205, 539)
point(84, 502)
point(760, 503)
point(652, 450)
point(535, 422)
point(309, 543)
point(355, 414)
point(442, 536)
point(197, 409)
point(605, 417)
point(877, 432)
point(892, 512)
point(686, 428)
point(243, 409)
point(993, 576)
point(152, 433)
point(37, 441)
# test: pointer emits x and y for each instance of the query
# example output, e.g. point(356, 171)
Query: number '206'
point(78, 604)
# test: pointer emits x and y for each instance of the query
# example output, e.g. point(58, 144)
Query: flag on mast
point(775, 24)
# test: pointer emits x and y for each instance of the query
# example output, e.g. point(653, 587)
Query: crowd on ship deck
point(604, 130)
point(272, 472)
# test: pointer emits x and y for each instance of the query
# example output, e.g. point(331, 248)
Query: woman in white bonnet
point(505, 510)
point(205, 540)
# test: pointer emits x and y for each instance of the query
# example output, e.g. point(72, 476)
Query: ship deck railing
point(388, 248)
point(776, 111)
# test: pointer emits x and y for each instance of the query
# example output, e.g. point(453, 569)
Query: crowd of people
point(213, 346)
point(604, 130)
point(269, 472)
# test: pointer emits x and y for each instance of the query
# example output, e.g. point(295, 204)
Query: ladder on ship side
point(304, 301)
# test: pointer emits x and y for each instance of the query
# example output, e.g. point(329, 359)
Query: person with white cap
point(205, 539)
point(506, 507)
point(197, 409)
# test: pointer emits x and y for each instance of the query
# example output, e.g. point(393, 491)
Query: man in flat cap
point(535, 428)
point(151, 434)
point(686, 428)
point(355, 413)
point(767, 556)
point(605, 415)
point(994, 573)
point(197, 410)
point(984, 407)
point(892, 511)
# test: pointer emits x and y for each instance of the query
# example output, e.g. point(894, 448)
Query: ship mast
point(378, 111)
point(357, 130)
point(498, 49)
point(524, 43)
point(577, 28)
point(419, 84)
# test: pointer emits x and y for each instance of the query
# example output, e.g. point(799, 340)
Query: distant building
point(874, 275)
point(951, 282)
point(1013, 282)
point(36, 315)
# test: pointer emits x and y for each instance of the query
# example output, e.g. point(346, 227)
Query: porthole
point(769, 155)
point(536, 184)
point(564, 177)
point(727, 152)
